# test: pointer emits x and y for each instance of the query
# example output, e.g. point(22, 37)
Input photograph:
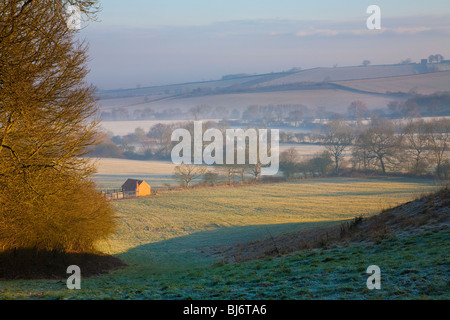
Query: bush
point(445, 170)
point(51, 213)
point(211, 179)
point(320, 165)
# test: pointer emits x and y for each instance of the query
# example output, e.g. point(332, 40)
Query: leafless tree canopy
point(185, 173)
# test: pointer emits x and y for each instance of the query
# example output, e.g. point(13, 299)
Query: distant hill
point(315, 75)
point(330, 88)
point(348, 73)
point(427, 83)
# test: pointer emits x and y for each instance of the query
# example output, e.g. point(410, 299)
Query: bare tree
point(380, 143)
point(229, 171)
point(338, 137)
point(162, 133)
point(199, 110)
point(186, 173)
point(358, 110)
point(435, 58)
point(416, 145)
point(255, 170)
point(241, 169)
point(296, 116)
point(438, 132)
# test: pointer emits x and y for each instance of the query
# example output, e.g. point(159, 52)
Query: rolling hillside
point(330, 88)
point(332, 99)
point(347, 73)
point(173, 253)
point(428, 83)
point(428, 213)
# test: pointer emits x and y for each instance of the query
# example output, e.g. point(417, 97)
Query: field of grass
point(344, 73)
point(177, 214)
point(331, 99)
point(166, 240)
point(423, 84)
point(112, 173)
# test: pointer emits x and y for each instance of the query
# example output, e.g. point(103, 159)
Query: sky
point(157, 42)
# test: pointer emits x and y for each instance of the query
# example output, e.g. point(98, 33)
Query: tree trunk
point(382, 164)
point(336, 160)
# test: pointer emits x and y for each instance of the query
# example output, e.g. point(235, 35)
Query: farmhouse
point(138, 188)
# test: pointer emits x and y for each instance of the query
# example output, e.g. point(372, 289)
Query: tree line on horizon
point(381, 146)
point(412, 146)
point(432, 105)
point(415, 147)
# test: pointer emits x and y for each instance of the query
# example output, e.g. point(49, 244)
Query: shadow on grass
point(202, 249)
point(189, 252)
point(37, 264)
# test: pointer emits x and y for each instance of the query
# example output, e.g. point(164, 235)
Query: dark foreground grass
point(42, 264)
point(412, 267)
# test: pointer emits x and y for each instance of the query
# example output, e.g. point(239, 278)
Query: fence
point(118, 194)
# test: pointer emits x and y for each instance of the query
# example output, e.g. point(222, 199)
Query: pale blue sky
point(202, 12)
point(149, 42)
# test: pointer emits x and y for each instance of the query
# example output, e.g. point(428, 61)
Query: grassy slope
point(169, 259)
point(181, 213)
point(344, 73)
point(423, 83)
point(332, 99)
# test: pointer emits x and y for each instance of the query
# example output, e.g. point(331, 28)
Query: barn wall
point(144, 190)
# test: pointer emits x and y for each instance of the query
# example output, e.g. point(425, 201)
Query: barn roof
point(130, 184)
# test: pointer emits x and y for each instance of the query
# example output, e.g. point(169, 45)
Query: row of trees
point(298, 115)
point(203, 111)
point(228, 174)
point(415, 147)
point(125, 114)
point(292, 114)
point(438, 58)
point(154, 144)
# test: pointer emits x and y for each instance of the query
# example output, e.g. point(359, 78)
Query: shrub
point(53, 214)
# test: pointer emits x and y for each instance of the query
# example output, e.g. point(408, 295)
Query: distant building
point(138, 188)
point(424, 61)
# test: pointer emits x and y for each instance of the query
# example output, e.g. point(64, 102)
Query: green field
point(166, 240)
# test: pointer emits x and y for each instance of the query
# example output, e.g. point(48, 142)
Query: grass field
point(112, 173)
point(180, 213)
point(331, 99)
point(166, 240)
point(344, 73)
point(423, 83)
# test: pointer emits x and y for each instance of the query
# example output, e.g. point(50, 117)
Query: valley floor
point(167, 242)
